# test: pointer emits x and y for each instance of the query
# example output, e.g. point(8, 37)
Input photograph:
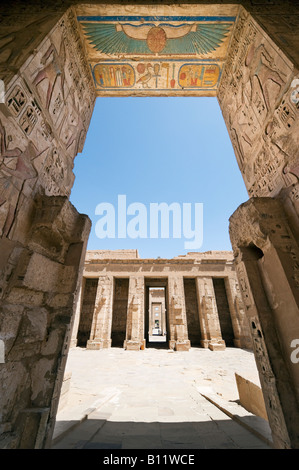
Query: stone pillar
point(235, 309)
point(73, 343)
point(208, 314)
point(177, 315)
point(267, 260)
point(135, 318)
point(100, 335)
point(200, 293)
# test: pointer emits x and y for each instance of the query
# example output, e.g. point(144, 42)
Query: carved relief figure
point(71, 128)
point(51, 71)
point(15, 168)
point(15, 43)
point(264, 72)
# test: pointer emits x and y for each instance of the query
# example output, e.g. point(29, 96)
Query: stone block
point(23, 296)
point(34, 325)
point(92, 344)
point(251, 397)
point(33, 422)
point(52, 344)
point(66, 384)
point(217, 346)
point(182, 346)
point(132, 345)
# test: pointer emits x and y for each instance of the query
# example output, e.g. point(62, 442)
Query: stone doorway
point(224, 315)
point(193, 323)
point(119, 312)
point(89, 288)
point(156, 319)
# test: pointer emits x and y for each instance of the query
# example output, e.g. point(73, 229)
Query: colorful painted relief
point(199, 75)
point(150, 38)
point(157, 75)
point(156, 53)
point(113, 75)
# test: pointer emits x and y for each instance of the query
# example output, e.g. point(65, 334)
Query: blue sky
point(155, 150)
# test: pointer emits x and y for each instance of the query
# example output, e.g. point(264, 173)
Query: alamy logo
point(136, 221)
point(2, 351)
point(2, 92)
point(295, 353)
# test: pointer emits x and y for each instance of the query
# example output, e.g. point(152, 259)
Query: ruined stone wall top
point(111, 254)
point(124, 263)
point(119, 255)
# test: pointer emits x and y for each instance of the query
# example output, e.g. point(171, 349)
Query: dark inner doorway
point(87, 310)
point(223, 312)
point(119, 312)
point(156, 324)
point(192, 314)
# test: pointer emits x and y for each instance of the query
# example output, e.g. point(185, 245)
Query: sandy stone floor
point(152, 399)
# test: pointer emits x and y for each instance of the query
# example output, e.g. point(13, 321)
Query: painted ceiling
point(156, 55)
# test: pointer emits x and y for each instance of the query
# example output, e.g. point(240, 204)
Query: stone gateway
point(56, 58)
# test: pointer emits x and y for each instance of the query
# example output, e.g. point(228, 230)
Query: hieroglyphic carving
point(55, 173)
point(267, 257)
point(260, 108)
point(135, 315)
point(16, 101)
point(51, 108)
point(264, 366)
point(100, 336)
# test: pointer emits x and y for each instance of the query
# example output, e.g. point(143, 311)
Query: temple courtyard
point(157, 399)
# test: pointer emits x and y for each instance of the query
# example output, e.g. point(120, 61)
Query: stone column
point(177, 314)
point(208, 314)
point(73, 343)
point(235, 309)
point(267, 260)
point(135, 318)
point(100, 335)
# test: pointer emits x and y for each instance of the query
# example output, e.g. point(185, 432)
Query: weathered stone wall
point(43, 123)
point(36, 321)
point(267, 255)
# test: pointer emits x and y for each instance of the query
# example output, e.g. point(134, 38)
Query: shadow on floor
point(157, 345)
point(212, 434)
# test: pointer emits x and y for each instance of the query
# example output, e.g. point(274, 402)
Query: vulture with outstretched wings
point(148, 38)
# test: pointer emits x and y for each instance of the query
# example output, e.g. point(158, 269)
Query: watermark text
point(175, 220)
